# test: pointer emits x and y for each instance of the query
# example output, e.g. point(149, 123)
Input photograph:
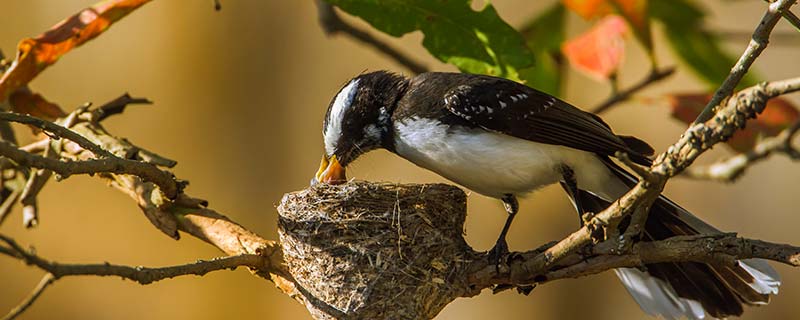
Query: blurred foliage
point(599, 51)
point(693, 43)
point(474, 41)
point(635, 13)
point(544, 35)
point(36, 54)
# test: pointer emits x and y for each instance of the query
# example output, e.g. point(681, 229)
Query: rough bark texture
point(376, 251)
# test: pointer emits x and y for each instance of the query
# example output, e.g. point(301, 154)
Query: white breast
point(495, 164)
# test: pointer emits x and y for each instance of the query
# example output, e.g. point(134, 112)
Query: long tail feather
point(687, 289)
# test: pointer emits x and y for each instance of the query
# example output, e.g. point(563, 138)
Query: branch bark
point(729, 170)
point(142, 275)
point(758, 42)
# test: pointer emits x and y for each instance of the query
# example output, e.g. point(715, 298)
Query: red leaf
point(26, 102)
point(36, 54)
point(634, 12)
point(599, 51)
point(778, 115)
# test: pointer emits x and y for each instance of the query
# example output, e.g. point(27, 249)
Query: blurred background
point(239, 99)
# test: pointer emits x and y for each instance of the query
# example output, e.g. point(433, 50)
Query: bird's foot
point(498, 253)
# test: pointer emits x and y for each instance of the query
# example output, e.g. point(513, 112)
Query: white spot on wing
point(502, 104)
point(340, 105)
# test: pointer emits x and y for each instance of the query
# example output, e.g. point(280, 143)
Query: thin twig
point(115, 106)
point(36, 181)
point(46, 281)
point(789, 16)
point(332, 24)
point(142, 275)
point(792, 18)
point(8, 203)
point(729, 170)
point(758, 42)
point(165, 180)
point(623, 95)
point(57, 131)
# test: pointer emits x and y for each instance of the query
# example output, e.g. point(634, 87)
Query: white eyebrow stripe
point(334, 128)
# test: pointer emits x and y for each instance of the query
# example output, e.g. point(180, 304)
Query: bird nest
point(375, 250)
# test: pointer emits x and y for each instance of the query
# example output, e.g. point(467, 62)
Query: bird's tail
point(687, 289)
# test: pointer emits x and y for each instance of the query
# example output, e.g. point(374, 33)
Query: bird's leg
point(570, 184)
point(500, 248)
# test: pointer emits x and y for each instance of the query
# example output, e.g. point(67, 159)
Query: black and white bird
point(503, 139)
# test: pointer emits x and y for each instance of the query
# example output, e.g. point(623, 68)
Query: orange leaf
point(24, 101)
point(599, 51)
point(36, 54)
point(588, 9)
point(778, 115)
point(634, 11)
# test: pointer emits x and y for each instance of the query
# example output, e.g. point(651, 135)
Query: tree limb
point(623, 95)
point(730, 169)
point(758, 42)
point(46, 281)
point(108, 162)
point(332, 24)
point(142, 275)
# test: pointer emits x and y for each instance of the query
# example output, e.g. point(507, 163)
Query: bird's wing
point(514, 109)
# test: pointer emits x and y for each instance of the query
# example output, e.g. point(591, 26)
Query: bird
point(503, 139)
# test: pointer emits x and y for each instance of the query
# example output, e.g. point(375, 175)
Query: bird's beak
point(330, 172)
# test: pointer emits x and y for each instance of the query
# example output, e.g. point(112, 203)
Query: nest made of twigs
point(375, 250)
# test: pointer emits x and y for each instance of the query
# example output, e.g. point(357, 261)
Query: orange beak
point(330, 171)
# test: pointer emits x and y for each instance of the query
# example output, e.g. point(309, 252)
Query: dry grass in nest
point(375, 250)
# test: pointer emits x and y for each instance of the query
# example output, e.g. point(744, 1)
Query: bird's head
point(358, 121)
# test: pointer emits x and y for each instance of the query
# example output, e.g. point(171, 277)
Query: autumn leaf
point(599, 51)
point(27, 102)
point(589, 9)
point(635, 13)
point(777, 116)
point(36, 54)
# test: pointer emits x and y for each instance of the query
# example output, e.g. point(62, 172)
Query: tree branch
point(725, 248)
point(142, 275)
point(332, 24)
point(758, 42)
point(108, 163)
point(623, 95)
point(729, 170)
point(46, 281)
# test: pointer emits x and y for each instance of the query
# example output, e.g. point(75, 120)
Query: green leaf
point(544, 35)
point(474, 41)
point(696, 46)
